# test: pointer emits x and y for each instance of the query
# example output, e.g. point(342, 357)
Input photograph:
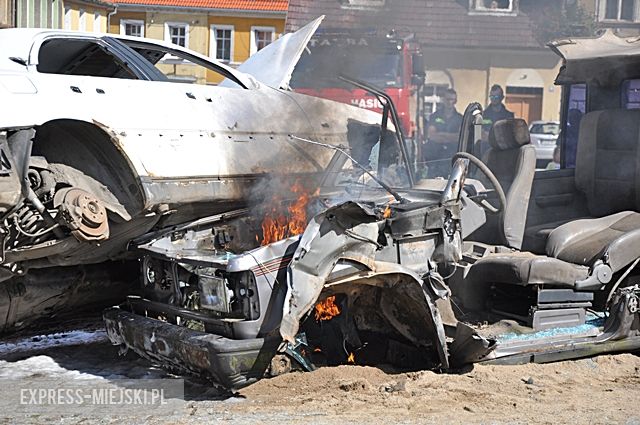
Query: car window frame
point(564, 111)
point(624, 92)
point(178, 52)
point(128, 57)
point(121, 47)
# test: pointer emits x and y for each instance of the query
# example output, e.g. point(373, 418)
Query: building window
point(261, 37)
point(177, 33)
point(493, 7)
point(222, 42)
point(97, 18)
point(618, 10)
point(82, 20)
point(134, 28)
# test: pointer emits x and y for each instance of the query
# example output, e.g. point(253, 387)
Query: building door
point(525, 102)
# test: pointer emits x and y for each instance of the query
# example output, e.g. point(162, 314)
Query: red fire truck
point(392, 64)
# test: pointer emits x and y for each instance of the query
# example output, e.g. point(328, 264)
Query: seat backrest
point(608, 161)
point(512, 159)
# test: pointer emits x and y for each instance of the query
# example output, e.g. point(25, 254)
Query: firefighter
point(495, 110)
point(443, 130)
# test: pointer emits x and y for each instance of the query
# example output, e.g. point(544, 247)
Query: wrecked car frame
point(382, 276)
point(241, 296)
point(407, 277)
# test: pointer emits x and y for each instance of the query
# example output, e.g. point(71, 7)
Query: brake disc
point(84, 214)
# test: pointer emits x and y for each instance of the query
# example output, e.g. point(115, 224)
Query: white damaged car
point(98, 146)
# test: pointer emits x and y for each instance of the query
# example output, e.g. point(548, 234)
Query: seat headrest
point(509, 134)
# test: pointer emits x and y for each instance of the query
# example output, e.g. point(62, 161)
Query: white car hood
point(274, 64)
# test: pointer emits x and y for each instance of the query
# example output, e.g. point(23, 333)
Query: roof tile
point(444, 23)
point(262, 5)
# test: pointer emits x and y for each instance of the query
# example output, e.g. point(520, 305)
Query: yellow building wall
point(198, 28)
point(474, 71)
point(89, 16)
point(241, 37)
point(470, 85)
point(197, 40)
point(242, 32)
point(550, 92)
point(114, 27)
point(199, 36)
point(473, 85)
point(6, 13)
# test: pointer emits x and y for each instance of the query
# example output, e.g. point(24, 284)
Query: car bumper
point(230, 363)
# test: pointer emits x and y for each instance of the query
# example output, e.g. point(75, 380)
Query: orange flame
point(387, 212)
point(279, 224)
point(327, 309)
point(351, 359)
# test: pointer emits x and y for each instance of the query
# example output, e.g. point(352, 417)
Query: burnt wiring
point(344, 347)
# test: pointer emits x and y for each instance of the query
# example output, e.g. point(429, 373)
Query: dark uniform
point(491, 115)
point(438, 155)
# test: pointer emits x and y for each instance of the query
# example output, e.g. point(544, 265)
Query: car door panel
point(554, 200)
point(554, 197)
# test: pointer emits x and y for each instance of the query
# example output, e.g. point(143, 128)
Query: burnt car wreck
point(370, 281)
point(426, 274)
point(266, 245)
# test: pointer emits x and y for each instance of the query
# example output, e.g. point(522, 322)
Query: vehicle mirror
point(418, 65)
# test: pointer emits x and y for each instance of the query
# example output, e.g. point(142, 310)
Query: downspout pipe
point(109, 15)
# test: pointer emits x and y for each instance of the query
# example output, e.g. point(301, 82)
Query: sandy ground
point(603, 390)
point(600, 390)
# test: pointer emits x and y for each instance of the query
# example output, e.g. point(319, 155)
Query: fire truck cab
point(393, 64)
